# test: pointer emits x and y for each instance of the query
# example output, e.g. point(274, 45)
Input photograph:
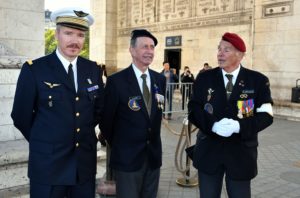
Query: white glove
point(235, 125)
point(222, 128)
point(226, 127)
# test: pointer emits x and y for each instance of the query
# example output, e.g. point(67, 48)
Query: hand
point(226, 127)
point(235, 125)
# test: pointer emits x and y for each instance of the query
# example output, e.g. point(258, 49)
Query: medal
point(209, 108)
point(210, 91)
point(50, 103)
point(240, 114)
point(89, 81)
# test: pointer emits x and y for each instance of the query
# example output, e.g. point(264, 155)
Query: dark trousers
point(86, 190)
point(139, 184)
point(211, 185)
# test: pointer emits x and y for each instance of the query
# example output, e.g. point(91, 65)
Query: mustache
point(74, 45)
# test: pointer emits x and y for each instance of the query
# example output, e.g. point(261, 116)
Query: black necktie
point(229, 85)
point(71, 75)
point(146, 92)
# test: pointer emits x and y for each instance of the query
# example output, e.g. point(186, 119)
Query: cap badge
point(80, 13)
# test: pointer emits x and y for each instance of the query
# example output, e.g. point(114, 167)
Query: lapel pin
point(89, 81)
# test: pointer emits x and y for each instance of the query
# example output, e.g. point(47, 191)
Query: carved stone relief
point(9, 59)
point(159, 15)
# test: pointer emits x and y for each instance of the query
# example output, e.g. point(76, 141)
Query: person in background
point(57, 105)
point(171, 77)
point(186, 89)
point(206, 67)
point(131, 120)
point(230, 105)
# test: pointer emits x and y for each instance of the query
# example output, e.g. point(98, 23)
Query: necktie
point(229, 85)
point(146, 93)
point(71, 75)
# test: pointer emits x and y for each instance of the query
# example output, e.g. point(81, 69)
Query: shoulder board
point(29, 62)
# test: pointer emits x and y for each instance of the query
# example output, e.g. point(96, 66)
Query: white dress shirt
point(66, 64)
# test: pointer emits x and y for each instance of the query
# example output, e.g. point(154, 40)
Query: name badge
point(95, 87)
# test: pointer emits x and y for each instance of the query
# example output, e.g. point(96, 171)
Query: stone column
point(276, 51)
point(9, 71)
point(277, 44)
point(103, 34)
point(21, 37)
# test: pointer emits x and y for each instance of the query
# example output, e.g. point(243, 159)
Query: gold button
point(77, 144)
point(77, 114)
point(50, 97)
point(77, 98)
point(78, 129)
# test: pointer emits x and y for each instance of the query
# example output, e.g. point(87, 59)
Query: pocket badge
point(133, 104)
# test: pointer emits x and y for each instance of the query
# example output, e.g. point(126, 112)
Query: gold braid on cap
point(72, 20)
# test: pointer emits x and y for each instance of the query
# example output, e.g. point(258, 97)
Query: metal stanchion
point(186, 180)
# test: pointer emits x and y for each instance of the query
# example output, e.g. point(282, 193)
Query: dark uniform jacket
point(237, 153)
point(126, 124)
point(58, 122)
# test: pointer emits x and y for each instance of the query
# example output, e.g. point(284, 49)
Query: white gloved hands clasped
point(226, 127)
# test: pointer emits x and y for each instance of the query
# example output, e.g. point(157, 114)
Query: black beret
point(142, 33)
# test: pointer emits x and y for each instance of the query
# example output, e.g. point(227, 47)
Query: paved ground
point(279, 164)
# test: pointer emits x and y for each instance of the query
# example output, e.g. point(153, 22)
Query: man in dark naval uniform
point(131, 121)
point(57, 104)
point(230, 105)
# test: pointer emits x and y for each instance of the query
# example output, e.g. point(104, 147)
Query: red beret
point(235, 40)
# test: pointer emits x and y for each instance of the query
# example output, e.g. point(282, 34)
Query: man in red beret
point(230, 105)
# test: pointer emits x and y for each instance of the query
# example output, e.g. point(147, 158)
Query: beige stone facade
point(22, 31)
point(21, 37)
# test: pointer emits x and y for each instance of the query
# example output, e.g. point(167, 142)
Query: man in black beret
point(131, 120)
point(230, 105)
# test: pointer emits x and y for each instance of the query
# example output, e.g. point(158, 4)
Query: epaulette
point(29, 62)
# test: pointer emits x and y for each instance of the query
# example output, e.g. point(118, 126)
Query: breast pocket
point(93, 95)
point(50, 97)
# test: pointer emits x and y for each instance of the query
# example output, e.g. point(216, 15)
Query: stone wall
point(9, 71)
point(103, 34)
point(22, 27)
point(276, 50)
point(21, 37)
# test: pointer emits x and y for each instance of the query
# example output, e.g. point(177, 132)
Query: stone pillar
point(22, 27)
point(21, 37)
point(9, 71)
point(103, 34)
point(277, 44)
